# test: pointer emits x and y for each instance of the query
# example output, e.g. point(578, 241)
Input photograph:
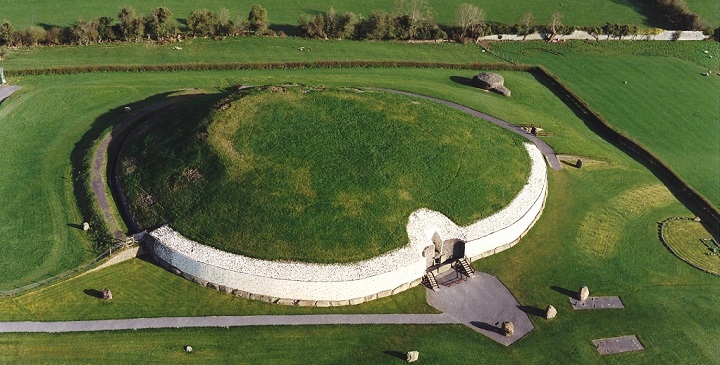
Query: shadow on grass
point(398, 354)
point(76, 226)
point(462, 80)
point(532, 311)
point(118, 122)
point(93, 293)
point(564, 291)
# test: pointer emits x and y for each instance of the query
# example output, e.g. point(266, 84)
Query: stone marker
point(412, 356)
point(188, 349)
point(86, 226)
point(508, 329)
point(584, 293)
point(550, 312)
point(107, 294)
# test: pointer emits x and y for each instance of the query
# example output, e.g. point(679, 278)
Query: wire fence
point(82, 268)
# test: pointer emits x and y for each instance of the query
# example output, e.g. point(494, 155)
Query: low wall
point(297, 283)
point(666, 35)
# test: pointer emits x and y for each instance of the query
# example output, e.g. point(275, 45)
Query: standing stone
point(188, 349)
point(584, 293)
point(86, 226)
point(127, 109)
point(578, 164)
point(550, 312)
point(107, 294)
point(508, 329)
point(413, 356)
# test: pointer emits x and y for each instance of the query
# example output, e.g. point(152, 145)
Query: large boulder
point(550, 312)
point(508, 329)
point(413, 356)
point(491, 81)
point(584, 293)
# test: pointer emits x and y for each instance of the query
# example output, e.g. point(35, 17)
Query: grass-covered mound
point(317, 175)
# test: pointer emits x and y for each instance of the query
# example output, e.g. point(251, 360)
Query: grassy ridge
point(287, 13)
point(323, 176)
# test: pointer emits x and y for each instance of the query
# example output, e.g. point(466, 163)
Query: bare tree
point(416, 10)
point(526, 23)
point(469, 18)
point(555, 21)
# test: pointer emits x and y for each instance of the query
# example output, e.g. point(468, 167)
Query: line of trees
point(130, 26)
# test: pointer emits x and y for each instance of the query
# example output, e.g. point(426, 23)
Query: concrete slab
point(615, 345)
point(482, 303)
point(597, 303)
point(6, 91)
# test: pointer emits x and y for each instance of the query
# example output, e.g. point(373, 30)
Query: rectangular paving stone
point(598, 303)
point(616, 345)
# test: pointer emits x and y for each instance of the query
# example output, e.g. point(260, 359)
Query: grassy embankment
point(285, 14)
point(317, 175)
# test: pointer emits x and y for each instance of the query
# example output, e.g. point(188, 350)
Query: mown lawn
point(318, 175)
point(284, 14)
point(664, 103)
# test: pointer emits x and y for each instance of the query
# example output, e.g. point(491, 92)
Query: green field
point(707, 10)
point(287, 13)
point(664, 103)
point(317, 175)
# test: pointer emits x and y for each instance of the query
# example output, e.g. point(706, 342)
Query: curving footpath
point(545, 148)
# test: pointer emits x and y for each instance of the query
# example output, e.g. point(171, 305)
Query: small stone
point(107, 294)
point(579, 163)
point(508, 329)
point(212, 286)
point(86, 226)
point(413, 356)
point(584, 293)
point(550, 312)
point(696, 219)
point(188, 349)
point(127, 109)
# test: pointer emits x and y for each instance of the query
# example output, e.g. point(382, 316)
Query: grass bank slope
point(299, 173)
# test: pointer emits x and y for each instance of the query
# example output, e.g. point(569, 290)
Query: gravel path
point(100, 163)
point(546, 150)
point(225, 321)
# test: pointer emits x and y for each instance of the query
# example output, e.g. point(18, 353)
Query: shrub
point(202, 23)
point(258, 19)
point(6, 33)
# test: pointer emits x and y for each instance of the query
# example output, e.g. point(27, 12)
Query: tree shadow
point(653, 16)
point(93, 293)
point(289, 29)
point(466, 81)
point(398, 354)
point(564, 291)
point(533, 311)
point(486, 327)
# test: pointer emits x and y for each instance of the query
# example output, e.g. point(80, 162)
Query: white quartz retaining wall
point(667, 35)
point(341, 284)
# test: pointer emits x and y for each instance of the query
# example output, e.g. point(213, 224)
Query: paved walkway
point(6, 91)
point(546, 150)
point(482, 303)
point(226, 321)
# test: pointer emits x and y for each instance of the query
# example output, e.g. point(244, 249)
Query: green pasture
point(241, 49)
point(664, 103)
point(47, 103)
point(317, 175)
point(285, 14)
point(707, 10)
